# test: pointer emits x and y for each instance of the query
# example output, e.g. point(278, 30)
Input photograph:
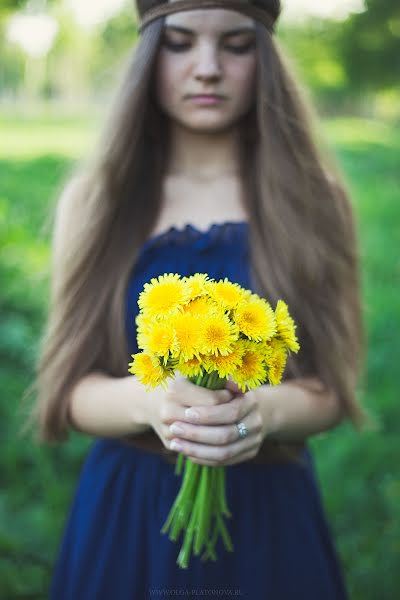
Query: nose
point(207, 63)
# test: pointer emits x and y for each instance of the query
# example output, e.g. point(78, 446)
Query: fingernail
point(191, 414)
point(175, 446)
point(177, 429)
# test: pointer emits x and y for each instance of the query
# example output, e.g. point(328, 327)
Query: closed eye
point(235, 49)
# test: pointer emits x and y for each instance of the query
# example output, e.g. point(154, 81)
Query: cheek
point(167, 79)
point(243, 77)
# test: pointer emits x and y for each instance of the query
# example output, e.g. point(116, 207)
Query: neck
point(200, 155)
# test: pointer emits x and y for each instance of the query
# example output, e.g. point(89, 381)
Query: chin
point(207, 124)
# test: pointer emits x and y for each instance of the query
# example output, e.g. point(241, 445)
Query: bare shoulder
point(70, 196)
point(68, 215)
point(71, 201)
point(336, 183)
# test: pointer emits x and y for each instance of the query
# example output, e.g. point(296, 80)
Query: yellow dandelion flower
point(225, 365)
point(266, 349)
point(192, 367)
point(286, 326)
point(159, 339)
point(163, 296)
point(196, 285)
point(201, 306)
point(149, 370)
point(218, 335)
point(188, 332)
point(255, 318)
point(142, 325)
point(276, 361)
point(252, 372)
point(142, 321)
point(227, 294)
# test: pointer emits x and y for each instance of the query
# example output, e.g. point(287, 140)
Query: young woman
point(207, 164)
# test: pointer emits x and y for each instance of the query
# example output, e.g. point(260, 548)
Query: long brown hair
point(303, 238)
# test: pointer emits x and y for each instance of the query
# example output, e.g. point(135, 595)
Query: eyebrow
point(229, 33)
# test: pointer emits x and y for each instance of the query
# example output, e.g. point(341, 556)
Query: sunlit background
point(69, 51)
point(59, 61)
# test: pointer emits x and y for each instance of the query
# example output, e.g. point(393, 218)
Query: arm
point(106, 406)
point(292, 413)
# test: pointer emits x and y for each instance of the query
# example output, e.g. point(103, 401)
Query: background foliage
point(47, 124)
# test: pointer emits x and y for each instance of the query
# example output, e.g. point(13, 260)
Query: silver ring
point(242, 429)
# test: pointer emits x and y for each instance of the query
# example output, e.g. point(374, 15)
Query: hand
point(168, 406)
point(213, 438)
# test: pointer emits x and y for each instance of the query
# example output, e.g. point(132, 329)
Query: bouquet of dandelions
point(208, 331)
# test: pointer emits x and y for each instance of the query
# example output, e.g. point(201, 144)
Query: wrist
point(139, 402)
point(296, 409)
point(268, 411)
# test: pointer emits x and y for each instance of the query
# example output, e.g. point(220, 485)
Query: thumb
point(233, 387)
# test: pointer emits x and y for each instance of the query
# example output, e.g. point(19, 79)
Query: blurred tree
point(370, 46)
point(114, 41)
point(10, 6)
point(314, 53)
point(12, 65)
point(11, 58)
point(6, 8)
point(69, 60)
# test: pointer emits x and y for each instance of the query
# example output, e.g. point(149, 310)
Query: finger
point(171, 412)
point(247, 454)
point(233, 387)
point(206, 463)
point(218, 454)
point(216, 435)
point(185, 392)
point(243, 456)
point(222, 414)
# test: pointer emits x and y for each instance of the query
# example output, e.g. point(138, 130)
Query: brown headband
point(243, 6)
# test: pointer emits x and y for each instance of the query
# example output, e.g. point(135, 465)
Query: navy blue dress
point(112, 548)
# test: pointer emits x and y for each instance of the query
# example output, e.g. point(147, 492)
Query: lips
point(207, 96)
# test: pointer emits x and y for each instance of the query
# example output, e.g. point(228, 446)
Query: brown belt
point(271, 451)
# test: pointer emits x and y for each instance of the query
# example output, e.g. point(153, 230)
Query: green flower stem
point(185, 503)
point(205, 504)
point(219, 527)
point(179, 463)
point(223, 509)
point(210, 552)
point(184, 554)
point(185, 493)
point(225, 535)
point(215, 380)
point(208, 380)
point(211, 541)
point(182, 492)
point(219, 524)
point(222, 491)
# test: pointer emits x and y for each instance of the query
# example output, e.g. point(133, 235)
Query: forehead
point(209, 20)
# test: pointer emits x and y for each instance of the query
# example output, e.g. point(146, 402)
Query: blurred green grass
point(359, 475)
